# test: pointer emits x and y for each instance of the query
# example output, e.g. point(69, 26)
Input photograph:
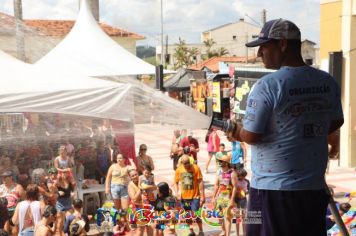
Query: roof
point(308, 41)
point(60, 28)
point(213, 63)
point(181, 80)
point(224, 25)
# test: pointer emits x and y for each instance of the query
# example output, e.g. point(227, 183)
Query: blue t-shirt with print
point(293, 108)
point(237, 153)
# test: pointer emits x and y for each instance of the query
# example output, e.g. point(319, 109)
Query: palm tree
point(184, 55)
point(222, 52)
point(209, 43)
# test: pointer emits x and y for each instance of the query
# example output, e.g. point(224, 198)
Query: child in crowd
point(243, 186)
point(119, 228)
point(147, 185)
point(165, 202)
point(343, 209)
point(77, 205)
point(77, 228)
point(238, 153)
point(219, 154)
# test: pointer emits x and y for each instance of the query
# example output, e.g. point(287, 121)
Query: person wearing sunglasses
point(143, 159)
point(225, 190)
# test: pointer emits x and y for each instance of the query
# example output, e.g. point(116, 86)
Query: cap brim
point(257, 42)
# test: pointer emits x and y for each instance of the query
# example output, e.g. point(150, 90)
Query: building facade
point(232, 37)
point(338, 33)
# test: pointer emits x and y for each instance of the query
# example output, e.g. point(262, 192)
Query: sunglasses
point(143, 149)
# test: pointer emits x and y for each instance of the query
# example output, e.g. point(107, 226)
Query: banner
point(216, 97)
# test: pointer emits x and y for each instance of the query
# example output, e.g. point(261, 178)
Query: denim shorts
point(64, 204)
point(191, 204)
point(27, 232)
point(119, 191)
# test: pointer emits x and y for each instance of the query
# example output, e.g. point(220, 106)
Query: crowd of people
point(43, 201)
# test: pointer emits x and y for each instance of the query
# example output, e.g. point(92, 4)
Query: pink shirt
point(211, 142)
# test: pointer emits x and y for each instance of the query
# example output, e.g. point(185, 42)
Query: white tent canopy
point(26, 89)
point(88, 50)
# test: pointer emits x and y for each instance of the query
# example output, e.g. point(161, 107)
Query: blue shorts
point(64, 204)
point(191, 204)
point(292, 213)
point(119, 191)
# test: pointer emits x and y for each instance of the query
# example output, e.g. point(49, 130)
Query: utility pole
point(246, 47)
point(20, 34)
point(166, 54)
point(263, 16)
point(162, 56)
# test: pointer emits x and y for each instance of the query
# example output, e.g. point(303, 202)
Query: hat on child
point(76, 226)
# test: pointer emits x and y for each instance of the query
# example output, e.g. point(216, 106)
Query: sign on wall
point(216, 97)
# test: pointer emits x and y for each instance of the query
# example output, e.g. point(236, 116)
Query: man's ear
point(283, 43)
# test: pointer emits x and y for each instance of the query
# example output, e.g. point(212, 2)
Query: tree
point(209, 43)
point(222, 52)
point(183, 55)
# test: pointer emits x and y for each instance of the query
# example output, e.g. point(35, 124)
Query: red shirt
point(192, 142)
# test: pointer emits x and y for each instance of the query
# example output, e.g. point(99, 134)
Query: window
point(167, 58)
point(234, 37)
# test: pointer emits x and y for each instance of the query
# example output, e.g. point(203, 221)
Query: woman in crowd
point(213, 146)
point(28, 212)
point(225, 190)
point(63, 163)
point(39, 177)
point(143, 159)
point(116, 183)
point(13, 193)
point(135, 194)
point(43, 228)
point(64, 201)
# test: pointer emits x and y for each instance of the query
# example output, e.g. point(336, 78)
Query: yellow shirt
point(120, 176)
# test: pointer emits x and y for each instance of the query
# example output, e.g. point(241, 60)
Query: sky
point(182, 18)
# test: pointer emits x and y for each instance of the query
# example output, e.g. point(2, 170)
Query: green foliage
point(152, 60)
point(209, 43)
point(184, 55)
point(145, 51)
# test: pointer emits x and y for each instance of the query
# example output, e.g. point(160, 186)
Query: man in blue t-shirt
point(289, 115)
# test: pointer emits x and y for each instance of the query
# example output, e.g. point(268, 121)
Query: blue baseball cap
point(276, 29)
